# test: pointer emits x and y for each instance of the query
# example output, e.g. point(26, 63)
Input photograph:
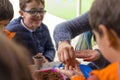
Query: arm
point(93, 55)
point(49, 48)
point(70, 29)
point(64, 32)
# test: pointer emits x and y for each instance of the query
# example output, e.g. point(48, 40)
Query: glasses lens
point(34, 12)
point(42, 12)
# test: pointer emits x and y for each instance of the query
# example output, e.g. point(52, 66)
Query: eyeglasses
point(34, 12)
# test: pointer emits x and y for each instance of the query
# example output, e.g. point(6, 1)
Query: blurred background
point(66, 9)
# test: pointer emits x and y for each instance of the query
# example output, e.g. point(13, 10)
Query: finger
point(83, 55)
point(78, 51)
point(88, 59)
point(77, 66)
point(62, 57)
point(61, 71)
point(59, 55)
point(72, 52)
point(72, 56)
point(66, 56)
point(66, 67)
point(70, 67)
point(60, 52)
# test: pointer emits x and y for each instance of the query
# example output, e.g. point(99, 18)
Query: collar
point(26, 26)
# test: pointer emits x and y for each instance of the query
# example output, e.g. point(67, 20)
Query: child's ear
point(109, 36)
point(21, 13)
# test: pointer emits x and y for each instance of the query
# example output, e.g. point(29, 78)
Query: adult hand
point(88, 55)
point(66, 53)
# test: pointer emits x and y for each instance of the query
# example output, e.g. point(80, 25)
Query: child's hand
point(39, 54)
point(70, 72)
point(44, 59)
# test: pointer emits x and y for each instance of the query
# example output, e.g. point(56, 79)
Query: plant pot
point(38, 61)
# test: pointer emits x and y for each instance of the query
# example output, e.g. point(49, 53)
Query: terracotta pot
point(38, 61)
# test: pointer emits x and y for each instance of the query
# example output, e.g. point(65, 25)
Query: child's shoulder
point(14, 24)
point(44, 26)
point(15, 21)
point(111, 72)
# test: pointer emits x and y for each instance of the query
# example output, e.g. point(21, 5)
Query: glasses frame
point(35, 12)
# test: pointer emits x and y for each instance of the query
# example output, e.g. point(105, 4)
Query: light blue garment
point(84, 41)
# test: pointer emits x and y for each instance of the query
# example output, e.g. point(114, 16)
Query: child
point(30, 31)
point(6, 14)
point(104, 19)
point(14, 61)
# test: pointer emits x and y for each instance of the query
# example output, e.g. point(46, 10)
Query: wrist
point(99, 53)
point(63, 42)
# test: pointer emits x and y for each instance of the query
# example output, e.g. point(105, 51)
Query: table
point(50, 64)
point(44, 66)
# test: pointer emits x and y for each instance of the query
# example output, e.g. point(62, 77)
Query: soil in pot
point(49, 75)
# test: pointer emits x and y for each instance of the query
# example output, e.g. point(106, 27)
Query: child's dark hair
point(105, 12)
point(22, 3)
point(6, 10)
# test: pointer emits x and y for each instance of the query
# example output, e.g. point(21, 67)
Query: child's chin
point(37, 25)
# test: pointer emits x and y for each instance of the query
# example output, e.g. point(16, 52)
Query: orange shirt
point(111, 72)
point(9, 34)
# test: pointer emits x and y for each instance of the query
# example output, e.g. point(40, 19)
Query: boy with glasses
point(30, 31)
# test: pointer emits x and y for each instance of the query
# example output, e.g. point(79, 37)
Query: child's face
point(33, 14)
point(103, 45)
point(108, 43)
